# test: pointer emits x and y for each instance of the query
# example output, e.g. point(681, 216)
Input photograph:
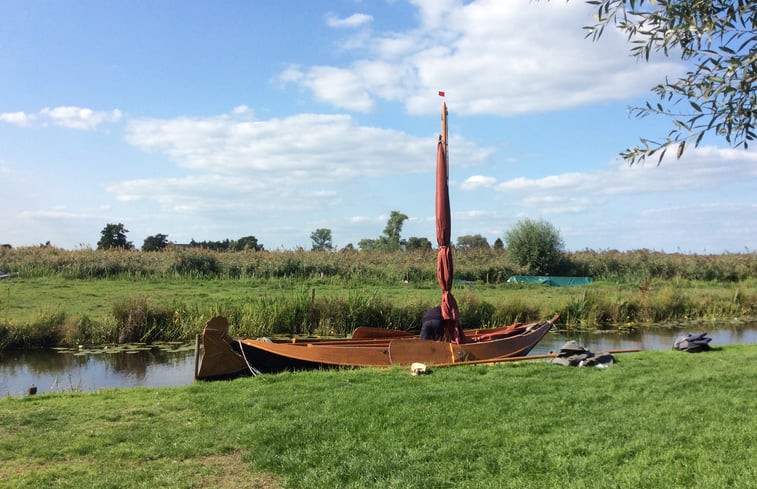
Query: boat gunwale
point(293, 351)
point(473, 334)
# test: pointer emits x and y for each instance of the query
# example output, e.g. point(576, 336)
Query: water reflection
point(648, 339)
point(51, 371)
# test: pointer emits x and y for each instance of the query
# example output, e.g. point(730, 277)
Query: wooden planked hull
point(227, 357)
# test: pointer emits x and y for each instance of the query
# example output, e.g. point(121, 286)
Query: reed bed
point(486, 266)
point(122, 311)
point(67, 298)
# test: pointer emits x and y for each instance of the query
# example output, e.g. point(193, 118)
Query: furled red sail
point(444, 267)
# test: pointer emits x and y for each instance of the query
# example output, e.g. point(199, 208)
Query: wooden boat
point(226, 357)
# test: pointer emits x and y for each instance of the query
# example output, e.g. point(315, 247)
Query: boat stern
point(219, 360)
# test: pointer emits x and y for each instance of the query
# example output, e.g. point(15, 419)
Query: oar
point(525, 357)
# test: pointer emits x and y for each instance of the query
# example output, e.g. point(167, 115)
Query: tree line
point(534, 244)
point(391, 240)
point(113, 236)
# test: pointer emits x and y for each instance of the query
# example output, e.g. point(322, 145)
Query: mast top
point(444, 124)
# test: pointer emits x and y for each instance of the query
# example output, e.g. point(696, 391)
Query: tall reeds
point(485, 266)
point(630, 288)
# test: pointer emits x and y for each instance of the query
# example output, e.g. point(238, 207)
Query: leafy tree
point(719, 39)
point(498, 244)
point(321, 240)
point(393, 229)
point(157, 242)
point(245, 243)
point(418, 244)
point(469, 241)
point(536, 245)
point(114, 236)
point(367, 244)
point(390, 240)
point(224, 245)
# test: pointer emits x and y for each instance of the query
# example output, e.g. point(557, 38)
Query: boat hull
point(225, 357)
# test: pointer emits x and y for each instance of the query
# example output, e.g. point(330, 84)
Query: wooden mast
point(444, 134)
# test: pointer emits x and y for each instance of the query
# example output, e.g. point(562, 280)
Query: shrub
point(85, 331)
point(45, 331)
point(535, 245)
point(138, 321)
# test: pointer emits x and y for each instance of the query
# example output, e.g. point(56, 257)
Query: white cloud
point(341, 87)
point(304, 146)
point(472, 214)
point(56, 214)
point(478, 181)
point(358, 219)
point(698, 168)
point(65, 116)
point(78, 117)
point(18, 118)
point(680, 205)
point(209, 194)
point(491, 57)
point(354, 20)
point(682, 225)
point(700, 203)
point(294, 162)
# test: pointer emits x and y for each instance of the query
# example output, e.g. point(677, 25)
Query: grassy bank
point(51, 311)
point(60, 297)
point(655, 419)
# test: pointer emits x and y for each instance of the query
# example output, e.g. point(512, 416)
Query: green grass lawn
point(26, 300)
point(655, 419)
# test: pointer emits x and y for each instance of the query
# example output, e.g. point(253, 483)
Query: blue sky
point(215, 120)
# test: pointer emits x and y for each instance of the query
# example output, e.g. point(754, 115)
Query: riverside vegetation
point(656, 419)
point(62, 297)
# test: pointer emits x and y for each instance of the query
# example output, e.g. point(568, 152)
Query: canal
point(172, 364)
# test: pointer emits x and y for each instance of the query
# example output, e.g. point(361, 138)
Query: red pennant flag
point(441, 94)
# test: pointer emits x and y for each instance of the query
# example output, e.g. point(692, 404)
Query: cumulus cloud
point(341, 87)
point(57, 214)
point(299, 159)
point(78, 117)
point(211, 194)
point(360, 219)
point(478, 181)
point(240, 109)
point(317, 146)
point(354, 20)
point(493, 57)
point(576, 192)
point(21, 119)
point(698, 168)
point(681, 225)
point(66, 116)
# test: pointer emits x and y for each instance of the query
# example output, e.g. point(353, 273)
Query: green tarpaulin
point(553, 281)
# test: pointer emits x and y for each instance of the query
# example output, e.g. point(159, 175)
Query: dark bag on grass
point(574, 355)
point(692, 343)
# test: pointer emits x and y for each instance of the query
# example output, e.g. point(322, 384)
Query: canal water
point(173, 364)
